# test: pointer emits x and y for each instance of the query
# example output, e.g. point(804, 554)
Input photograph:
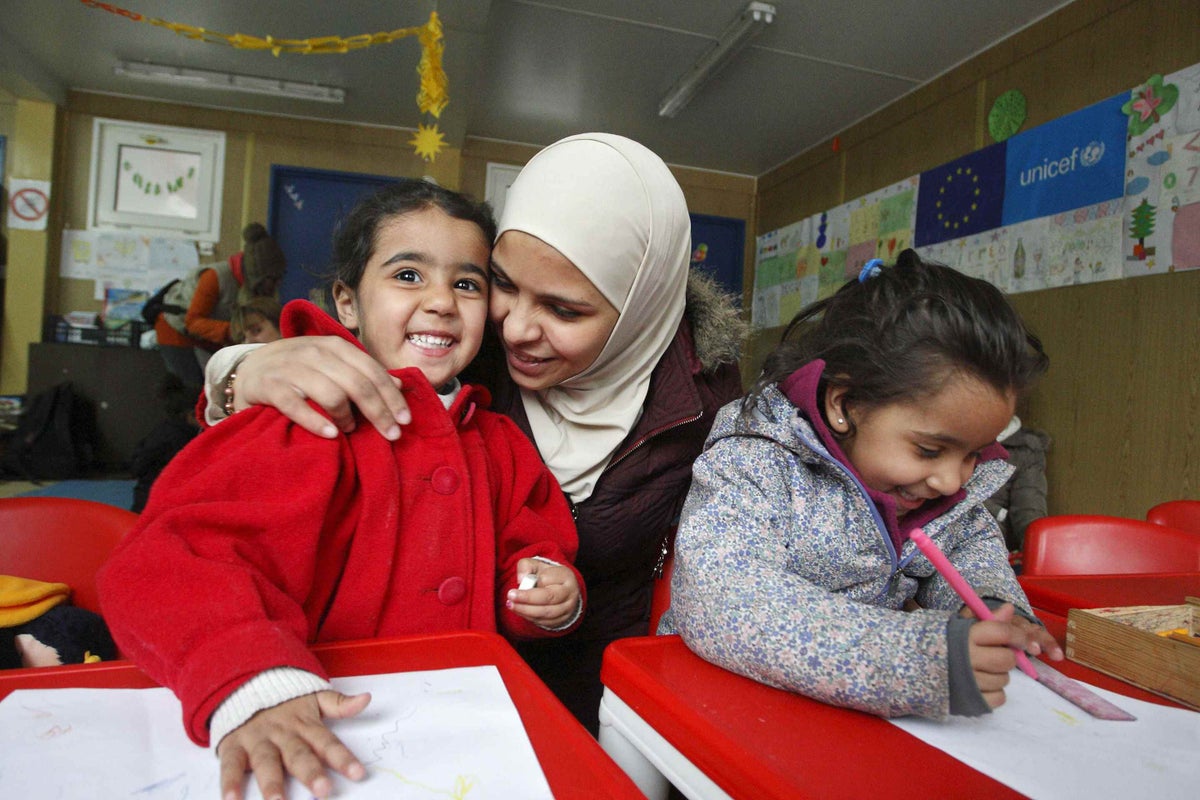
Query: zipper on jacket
point(650, 436)
point(880, 526)
point(896, 563)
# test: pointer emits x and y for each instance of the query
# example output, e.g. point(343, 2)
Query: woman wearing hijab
point(611, 356)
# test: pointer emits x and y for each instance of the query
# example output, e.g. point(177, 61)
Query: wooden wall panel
point(914, 139)
point(1122, 398)
point(1122, 392)
point(792, 197)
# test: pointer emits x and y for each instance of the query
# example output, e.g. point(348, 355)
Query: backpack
point(177, 298)
point(55, 438)
point(157, 304)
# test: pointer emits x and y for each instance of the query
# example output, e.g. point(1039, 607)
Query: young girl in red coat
point(260, 538)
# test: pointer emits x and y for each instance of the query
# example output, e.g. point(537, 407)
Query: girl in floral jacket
point(793, 563)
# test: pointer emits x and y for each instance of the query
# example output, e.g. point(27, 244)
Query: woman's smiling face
point(552, 320)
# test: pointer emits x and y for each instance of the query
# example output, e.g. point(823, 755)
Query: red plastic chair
point(1084, 544)
point(1183, 515)
point(60, 540)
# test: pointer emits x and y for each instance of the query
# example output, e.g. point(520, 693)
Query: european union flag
point(961, 198)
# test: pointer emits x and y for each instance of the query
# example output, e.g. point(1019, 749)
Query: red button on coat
point(444, 480)
point(452, 591)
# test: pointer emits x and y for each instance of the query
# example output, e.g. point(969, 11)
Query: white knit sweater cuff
point(218, 368)
point(578, 604)
point(265, 690)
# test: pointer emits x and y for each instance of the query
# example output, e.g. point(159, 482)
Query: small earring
point(841, 421)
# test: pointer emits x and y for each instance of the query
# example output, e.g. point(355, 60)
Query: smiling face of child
point(920, 450)
point(422, 298)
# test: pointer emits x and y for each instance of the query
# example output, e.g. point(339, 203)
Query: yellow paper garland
point(432, 96)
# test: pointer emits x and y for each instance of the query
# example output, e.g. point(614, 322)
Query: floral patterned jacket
point(785, 573)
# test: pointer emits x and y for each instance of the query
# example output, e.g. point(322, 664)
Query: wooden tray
point(1128, 643)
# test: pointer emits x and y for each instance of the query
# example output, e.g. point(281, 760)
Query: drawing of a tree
point(1143, 226)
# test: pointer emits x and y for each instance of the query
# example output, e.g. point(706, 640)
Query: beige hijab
point(614, 210)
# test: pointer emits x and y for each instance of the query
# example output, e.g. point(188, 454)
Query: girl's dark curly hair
point(354, 239)
point(900, 335)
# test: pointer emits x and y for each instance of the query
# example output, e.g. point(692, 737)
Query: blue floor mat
point(113, 492)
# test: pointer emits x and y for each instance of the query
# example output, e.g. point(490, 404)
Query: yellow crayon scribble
point(1067, 718)
point(462, 785)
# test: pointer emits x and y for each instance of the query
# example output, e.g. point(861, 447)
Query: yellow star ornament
point(428, 141)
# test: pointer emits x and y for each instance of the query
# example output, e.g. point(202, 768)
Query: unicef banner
point(1076, 160)
point(1111, 191)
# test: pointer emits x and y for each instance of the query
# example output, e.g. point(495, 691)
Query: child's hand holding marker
point(547, 594)
point(999, 640)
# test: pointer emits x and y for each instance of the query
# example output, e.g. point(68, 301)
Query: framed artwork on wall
point(163, 180)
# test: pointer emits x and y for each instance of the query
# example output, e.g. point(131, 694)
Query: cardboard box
point(1133, 643)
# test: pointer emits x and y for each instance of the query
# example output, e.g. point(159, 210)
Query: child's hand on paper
point(553, 602)
point(990, 644)
point(291, 738)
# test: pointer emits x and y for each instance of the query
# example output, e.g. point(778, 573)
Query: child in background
point(1022, 499)
point(793, 564)
point(256, 320)
point(260, 538)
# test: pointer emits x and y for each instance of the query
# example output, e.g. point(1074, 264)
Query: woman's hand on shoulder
point(330, 371)
point(291, 739)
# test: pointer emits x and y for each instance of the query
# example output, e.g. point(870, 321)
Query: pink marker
point(960, 585)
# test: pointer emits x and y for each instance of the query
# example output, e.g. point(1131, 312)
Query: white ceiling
point(533, 72)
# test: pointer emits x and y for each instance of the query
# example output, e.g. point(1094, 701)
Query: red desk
point(572, 761)
point(715, 734)
point(756, 742)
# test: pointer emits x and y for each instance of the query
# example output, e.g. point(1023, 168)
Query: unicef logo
point(1092, 154)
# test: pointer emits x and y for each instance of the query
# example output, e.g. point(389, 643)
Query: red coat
point(260, 539)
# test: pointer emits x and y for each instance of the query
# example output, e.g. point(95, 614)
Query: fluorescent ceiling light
point(208, 79)
point(753, 19)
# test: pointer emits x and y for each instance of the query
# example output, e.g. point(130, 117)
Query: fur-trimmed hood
point(719, 331)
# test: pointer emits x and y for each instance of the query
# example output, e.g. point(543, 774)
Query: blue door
point(717, 246)
point(304, 208)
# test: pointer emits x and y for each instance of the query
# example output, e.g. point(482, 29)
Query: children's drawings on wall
point(437, 735)
point(808, 260)
point(1153, 228)
point(1162, 187)
point(125, 260)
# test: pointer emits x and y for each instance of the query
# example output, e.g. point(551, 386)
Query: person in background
point(254, 271)
point(256, 320)
point(1022, 498)
point(794, 564)
point(261, 539)
point(611, 354)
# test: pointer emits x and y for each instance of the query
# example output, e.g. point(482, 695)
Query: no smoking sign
point(28, 204)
